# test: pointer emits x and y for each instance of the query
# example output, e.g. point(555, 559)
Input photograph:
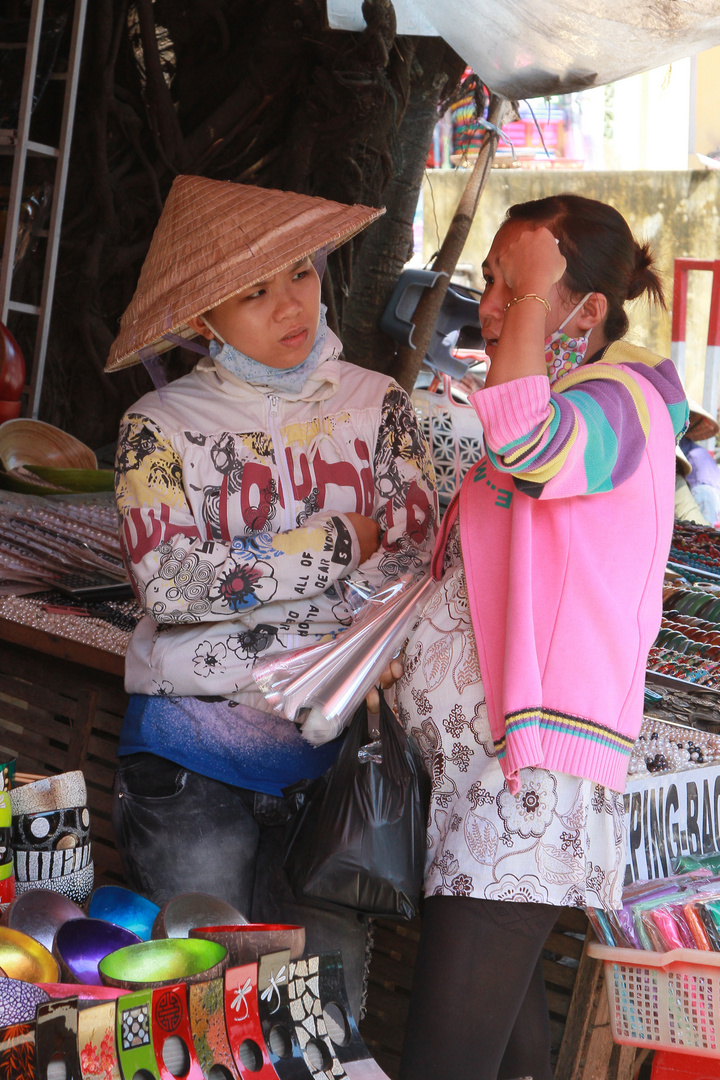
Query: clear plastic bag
point(334, 676)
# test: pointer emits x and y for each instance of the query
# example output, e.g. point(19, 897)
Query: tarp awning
point(534, 48)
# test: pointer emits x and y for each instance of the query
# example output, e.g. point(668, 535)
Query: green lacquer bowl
point(162, 963)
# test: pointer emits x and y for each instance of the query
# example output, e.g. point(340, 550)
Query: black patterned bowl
point(76, 887)
point(36, 866)
point(49, 793)
point(51, 830)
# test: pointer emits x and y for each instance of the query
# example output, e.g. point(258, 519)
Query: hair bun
point(644, 278)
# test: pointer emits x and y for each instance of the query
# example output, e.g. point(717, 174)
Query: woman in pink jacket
point(524, 677)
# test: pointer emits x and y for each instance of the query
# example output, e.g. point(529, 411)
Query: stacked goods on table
point(661, 958)
point(672, 747)
point(695, 548)
point(681, 911)
point(188, 990)
point(51, 836)
point(61, 569)
point(67, 542)
point(688, 645)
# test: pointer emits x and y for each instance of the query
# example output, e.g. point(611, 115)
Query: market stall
point(64, 630)
point(62, 652)
point(62, 702)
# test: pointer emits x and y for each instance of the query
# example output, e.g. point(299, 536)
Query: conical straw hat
point(702, 425)
point(214, 239)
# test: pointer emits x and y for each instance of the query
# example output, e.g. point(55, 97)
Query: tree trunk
point(386, 250)
point(256, 91)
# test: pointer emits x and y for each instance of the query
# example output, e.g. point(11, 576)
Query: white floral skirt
point(561, 840)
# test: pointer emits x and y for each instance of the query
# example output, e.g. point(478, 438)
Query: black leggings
point(478, 1009)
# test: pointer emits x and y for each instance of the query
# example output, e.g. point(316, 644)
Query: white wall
point(639, 123)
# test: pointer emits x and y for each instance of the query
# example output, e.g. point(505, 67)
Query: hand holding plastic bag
point(330, 679)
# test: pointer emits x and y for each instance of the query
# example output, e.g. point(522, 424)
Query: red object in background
point(9, 410)
point(671, 1066)
point(171, 1019)
point(242, 1021)
point(682, 267)
point(12, 368)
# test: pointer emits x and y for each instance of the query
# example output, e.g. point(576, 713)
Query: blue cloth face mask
point(563, 352)
point(251, 371)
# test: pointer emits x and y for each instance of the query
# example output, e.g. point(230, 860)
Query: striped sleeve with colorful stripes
point(588, 433)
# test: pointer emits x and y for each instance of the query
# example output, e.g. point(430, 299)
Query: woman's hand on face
point(367, 531)
point(389, 677)
point(531, 262)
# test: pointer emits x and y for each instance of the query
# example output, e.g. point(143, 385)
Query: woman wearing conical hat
point(248, 491)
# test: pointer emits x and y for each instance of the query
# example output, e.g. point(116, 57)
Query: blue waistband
point(225, 741)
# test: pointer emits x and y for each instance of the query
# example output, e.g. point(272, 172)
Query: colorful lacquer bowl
point(19, 1000)
point(124, 908)
point(181, 914)
point(163, 962)
point(76, 886)
point(39, 913)
point(50, 793)
point(22, 957)
point(247, 943)
point(81, 944)
point(83, 993)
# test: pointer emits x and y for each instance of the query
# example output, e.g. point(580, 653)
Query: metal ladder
point(18, 143)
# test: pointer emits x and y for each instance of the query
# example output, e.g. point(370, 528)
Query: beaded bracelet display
point(696, 542)
point(664, 747)
point(527, 296)
point(693, 600)
point(688, 667)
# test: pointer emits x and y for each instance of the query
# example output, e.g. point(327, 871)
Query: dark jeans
point(178, 832)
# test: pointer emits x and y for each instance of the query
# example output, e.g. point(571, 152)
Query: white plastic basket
point(667, 1001)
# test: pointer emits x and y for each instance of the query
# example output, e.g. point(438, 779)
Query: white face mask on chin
point(562, 352)
point(252, 371)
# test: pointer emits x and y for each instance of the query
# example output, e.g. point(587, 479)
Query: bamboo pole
point(409, 360)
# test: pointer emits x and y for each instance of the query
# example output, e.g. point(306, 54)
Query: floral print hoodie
point(232, 502)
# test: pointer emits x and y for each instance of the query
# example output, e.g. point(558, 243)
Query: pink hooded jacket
point(565, 529)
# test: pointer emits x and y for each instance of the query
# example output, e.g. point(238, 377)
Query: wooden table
point(61, 708)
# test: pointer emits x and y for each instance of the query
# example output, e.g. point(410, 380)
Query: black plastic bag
point(359, 839)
